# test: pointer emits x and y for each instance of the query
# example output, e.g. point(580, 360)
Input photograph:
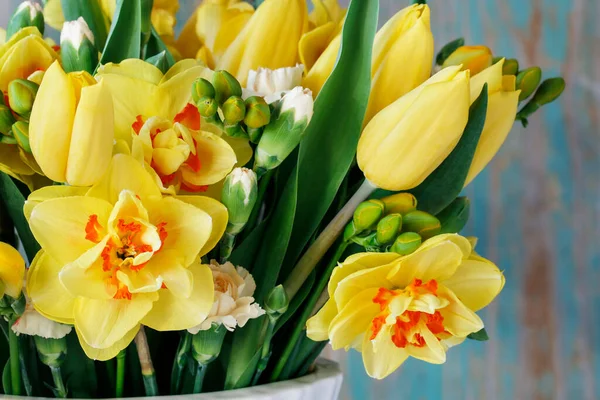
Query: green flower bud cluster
point(28, 13)
point(548, 91)
point(15, 110)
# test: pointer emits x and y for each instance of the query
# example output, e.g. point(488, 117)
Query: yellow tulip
point(71, 127)
point(410, 138)
point(473, 58)
point(325, 20)
point(501, 111)
point(122, 255)
point(391, 307)
point(406, 36)
point(12, 271)
point(269, 39)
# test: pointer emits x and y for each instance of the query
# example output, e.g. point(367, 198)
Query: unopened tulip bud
point(202, 88)
point(225, 86)
point(454, 217)
point(77, 49)
point(21, 95)
point(28, 13)
point(206, 345)
point(277, 302)
point(510, 67)
point(258, 113)
point(388, 228)
point(473, 58)
point(20, 131)
point(6, 119)
point(239, 196)
point(207, 107)
point(527, 81)
point(425, 224)
point(448, 49)
point(400, 203)
point(234, 110)
point(52, 352)
point(368, 214)
point(406, 243)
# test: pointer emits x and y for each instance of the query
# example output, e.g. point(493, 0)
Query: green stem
point(325, 240)
point(263, 184)
point(180, 362)
point(266, 350)
point(307, 311)
point(199, 378)
point(15, 368)
point(141, 342)
point(61, 390)
point(120, 379)
point(227, 243)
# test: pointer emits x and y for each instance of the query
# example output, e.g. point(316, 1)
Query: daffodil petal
point(358, 262)
point(353, 319)
point(216, 157)
point(381, 357)
point(218, 213)
point(51, 192)
point(432, 352)
point(459, 320)
point(355, 283)
point(107, 353)
point(28, 55)
point(317, 327)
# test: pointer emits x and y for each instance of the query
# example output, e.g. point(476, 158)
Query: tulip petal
point(51, 192)
point(476, 283)
point(226, 36)
point(317, 327)
point(47, 294)
point(492, 76)
point(174, 313)
point(322, 68)
point(101, 323)
point(313, 43)
point(188, 42)
point(218, 213)
point(353, 319)
point(26, 56)
point(108, 352)
point(12, 270)
point(381, 357)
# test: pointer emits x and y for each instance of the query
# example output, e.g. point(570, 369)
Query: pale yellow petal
point(50, 192)
point(317, 327)
point(459, 320)
point(28, 55)
point(476, 283)
point(217, 159)
point(381, 357)
point(322, 68)
point(353, 319)
point(376, 277)
point(313, 43)
point(218, 213)
point(433, 352)
point(12, 270)
point(108, 352)
point(358, 262)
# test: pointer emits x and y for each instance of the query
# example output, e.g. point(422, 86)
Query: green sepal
point(448, 49)
point(91, 12)
point(124, 38)
point(481, 335)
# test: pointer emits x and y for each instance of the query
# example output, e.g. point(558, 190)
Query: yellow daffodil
point(12, 271)
point(25, 56)
point(501, 111)
point(390, 307)
point(121, 255)
point(255, 46)
point(473, 58)
point(406, 36)
point(71, 127)
point(402, 144)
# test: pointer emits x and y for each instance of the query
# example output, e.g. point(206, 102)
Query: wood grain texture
point(536, 211)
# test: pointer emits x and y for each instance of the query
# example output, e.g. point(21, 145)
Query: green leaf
point(447, 181)
point(480, 336)
point(156, 46)
point(78, 370)
point(329, 144)
point(91, 12)
point(6, 381)
point(125, 36)
point(14, 201)
point(297, 301)
point(448, 49)
point(159, 61)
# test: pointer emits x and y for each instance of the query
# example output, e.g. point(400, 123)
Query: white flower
point(301, 101)
point(272, 84)
point(234, 304)
point(33, 323)
point(247, 179)
point(75, 31)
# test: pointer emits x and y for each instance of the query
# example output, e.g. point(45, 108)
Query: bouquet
point(207, 212)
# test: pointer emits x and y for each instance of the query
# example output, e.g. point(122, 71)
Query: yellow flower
point(119, 255)
point(403, 143)
point(269, 39)
point(473, 58)
point(25, 56)
point(406, 36)
point(390, 307)
point(12, 271)
point(71, 127)
point(501, 111)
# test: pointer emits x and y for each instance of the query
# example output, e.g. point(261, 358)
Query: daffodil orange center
point(404, 327)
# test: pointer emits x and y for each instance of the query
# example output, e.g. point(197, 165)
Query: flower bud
point(28, 13)
point(6, 119)
point(206, 345)
point(21, 95)
point(350, 231)
point(425, 224)
point(549, 91)
point(77, 49)
point(510, 67)
point(455, 216)
point(368, 214)
point(225, 86)
point(473, 58)
point(202, 88)
point(277, 302)
point(527, 81)
point(207, 107)
point(20, 131)
point(254, 134)
point(52, 352)
point(239, 196)
point(448, 49)
point(406, 243)
point(400, 203)
point(258, 113)
point(388, 228)
point(234, 110)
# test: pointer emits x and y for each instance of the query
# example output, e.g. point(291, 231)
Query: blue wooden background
point(536, 211)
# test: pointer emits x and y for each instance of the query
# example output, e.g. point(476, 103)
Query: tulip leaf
point(481, 335)
point(447, 181)
point(329, 144)
point(125, 36)
point(91, 12)
point(78, 370)
point(297, 301)
point(155, 47)
point(14, 201)
point(448, 49)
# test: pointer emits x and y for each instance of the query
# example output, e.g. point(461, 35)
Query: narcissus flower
point(402, 144)
point(12, 271)
point(501, 111)
point(71, 127)
point(119, 255)
point(390, 307)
